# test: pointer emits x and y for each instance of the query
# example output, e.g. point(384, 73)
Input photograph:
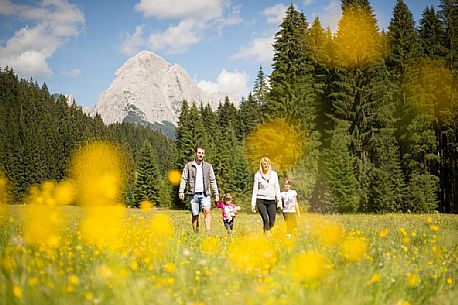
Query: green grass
point(409, 259)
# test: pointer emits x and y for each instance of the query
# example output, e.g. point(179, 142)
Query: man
point(199, 175)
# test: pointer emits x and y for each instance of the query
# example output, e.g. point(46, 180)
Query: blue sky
point(76, 46)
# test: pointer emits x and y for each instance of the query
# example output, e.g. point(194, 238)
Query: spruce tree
point(432, 34)
point(360, 89)
point(261, 87)
point(185, 138)
point(340, 186)
point(292, 94)
point(403, 43)
point(248, 116)
point(148, 182)
point(449, 18)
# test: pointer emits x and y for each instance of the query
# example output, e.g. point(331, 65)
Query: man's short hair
point(199, 146)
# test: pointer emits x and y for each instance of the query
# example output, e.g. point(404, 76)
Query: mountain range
point(147, 89)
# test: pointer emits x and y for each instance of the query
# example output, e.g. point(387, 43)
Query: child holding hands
point(228, 210)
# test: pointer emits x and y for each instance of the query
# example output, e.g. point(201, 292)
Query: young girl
point(228, 210)
point(290, 207)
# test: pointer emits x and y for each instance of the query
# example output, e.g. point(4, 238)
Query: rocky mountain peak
point(148, 88)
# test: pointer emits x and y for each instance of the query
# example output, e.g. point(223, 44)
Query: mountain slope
point(150, 89)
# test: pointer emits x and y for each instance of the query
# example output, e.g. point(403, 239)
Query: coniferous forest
point(361, 120)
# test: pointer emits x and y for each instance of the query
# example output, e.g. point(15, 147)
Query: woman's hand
point(253, 209)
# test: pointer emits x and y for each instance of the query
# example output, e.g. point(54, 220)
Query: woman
point(266, 193)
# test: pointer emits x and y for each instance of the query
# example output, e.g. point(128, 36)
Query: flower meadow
point(73, 242)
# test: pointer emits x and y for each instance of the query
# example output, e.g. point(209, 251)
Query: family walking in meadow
point(199, 176)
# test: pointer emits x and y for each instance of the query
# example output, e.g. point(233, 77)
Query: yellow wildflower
point(413, 280)
point(174, 177)
point(17, 291)
point(354, 249)
point(308, 266)
point(383, 233)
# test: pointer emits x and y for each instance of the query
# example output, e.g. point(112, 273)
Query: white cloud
point(71, 72)
point(232, 83)
point(308, 2)
point(133, 43)
point(259, 50)
point(203, 10)
point(275, 14)
point(176, 39)
point(193, 17)
point(51, 23)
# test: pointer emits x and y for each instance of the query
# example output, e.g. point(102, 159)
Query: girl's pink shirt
point(221, 205)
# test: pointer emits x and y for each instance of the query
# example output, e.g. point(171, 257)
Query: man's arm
point(213, 183)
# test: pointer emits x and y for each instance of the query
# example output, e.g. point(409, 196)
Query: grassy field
point(112, 255)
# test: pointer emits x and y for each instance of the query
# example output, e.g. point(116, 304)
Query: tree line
point(40, 131)
point(378, 111)
point(362, 120)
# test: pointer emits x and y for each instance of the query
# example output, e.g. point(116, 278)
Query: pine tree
point(185, 138)
point(210, 121)
point(360, 89)
point(248, 117)
point(340, 191)
point(148, 182)
point(449, 18)
point(261, 87)
point(432, 34)
point(448, 146)
point(403, 43)
point(292, 94)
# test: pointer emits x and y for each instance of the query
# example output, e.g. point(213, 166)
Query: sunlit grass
point(155, 258)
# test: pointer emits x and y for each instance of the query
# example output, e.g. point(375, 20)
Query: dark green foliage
point(39, 131)
point(340, 193)
point(449, 18)
point(403, 44)
point(292, 93)
point(422, 193)
point(248, 117)
point(432, 34)
point(387, 189)
point(148, 182)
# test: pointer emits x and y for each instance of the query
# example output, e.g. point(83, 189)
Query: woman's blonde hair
point(265, 159)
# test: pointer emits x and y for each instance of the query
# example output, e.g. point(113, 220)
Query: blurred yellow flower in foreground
point(328, 232)
point(98, 170)
point(383, 233)
point(309, 266)
point(174, 177)
point(413, 279)
point(161, 226)
point(210, 245)
point(17, 291)
point(357, 41)
point(277, 139)
point(252, 254)
point(375, 278)
point(146, 205)
point(102, 226)
point(354, 249)
point(43, 225)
